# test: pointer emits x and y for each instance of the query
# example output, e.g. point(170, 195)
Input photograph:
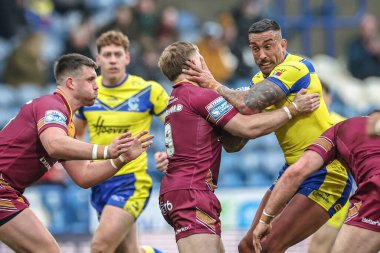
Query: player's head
point(75, 73)
point(267, 45)
point(113, 55)
point(173, 58)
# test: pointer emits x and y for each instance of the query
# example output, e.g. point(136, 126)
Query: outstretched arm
point(250, 101)
point(284, 189)
point(253, 126)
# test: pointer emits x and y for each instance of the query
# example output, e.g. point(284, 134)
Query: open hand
point(306, 103)
point(200, 75)
point(140, 143)
point(161, 159)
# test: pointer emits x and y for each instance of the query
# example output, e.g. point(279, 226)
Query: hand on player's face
point(306, 103)
point(198, 72)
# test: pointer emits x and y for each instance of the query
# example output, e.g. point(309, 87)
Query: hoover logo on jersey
point(53, 116)
point(218, 108)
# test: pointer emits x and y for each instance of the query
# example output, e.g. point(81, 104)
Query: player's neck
point(185, 81)
point(111, 82)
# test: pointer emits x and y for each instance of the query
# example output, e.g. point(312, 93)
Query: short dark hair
point(71, 63)
point(263, 26)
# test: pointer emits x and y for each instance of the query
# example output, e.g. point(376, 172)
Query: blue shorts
point(130, 192)
point(330, 187)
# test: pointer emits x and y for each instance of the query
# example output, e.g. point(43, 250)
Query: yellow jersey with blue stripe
point(293, 74)
point(331, 185)
point(128, 106)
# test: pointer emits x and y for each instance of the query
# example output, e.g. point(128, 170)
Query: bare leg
point(200, 243)
point(323, 240)
point(115, 224)
point(26, 233)
point(353, 239)
point(245, 245)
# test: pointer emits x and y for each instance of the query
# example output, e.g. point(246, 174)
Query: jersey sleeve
point(51, 113)
point(291, 76)
point(159, 98)
point(213, 107)
point(325, 146)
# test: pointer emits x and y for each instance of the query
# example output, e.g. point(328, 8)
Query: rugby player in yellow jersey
point(125, 103)
point(282, 75)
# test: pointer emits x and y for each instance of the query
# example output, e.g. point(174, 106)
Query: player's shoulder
point(297, 62)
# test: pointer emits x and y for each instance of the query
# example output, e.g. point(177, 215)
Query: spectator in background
point(11, 17)
point(363, 54)
point(217, 55)
point(25, 63)
point(80, 38)
point(123, 22)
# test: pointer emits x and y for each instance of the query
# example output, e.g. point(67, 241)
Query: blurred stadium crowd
point(34, 33)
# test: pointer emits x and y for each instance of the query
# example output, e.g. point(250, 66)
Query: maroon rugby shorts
point(364, 209)
point(191, 212)
point(11, 201)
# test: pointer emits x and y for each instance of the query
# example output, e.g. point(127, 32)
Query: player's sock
point(150, 249)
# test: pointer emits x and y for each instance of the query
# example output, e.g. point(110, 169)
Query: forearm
point(67, 148)
point(237, 98)
point(87, 174)
point(233, 143)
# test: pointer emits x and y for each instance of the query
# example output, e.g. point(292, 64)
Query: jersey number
point(169, 140)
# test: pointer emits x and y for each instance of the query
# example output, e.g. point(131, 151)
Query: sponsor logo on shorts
point(166, 207)
point(218, 108)
point(118, 198)
point(353, 211)
point(371, 222)
point(321, 196)
point(182, 229)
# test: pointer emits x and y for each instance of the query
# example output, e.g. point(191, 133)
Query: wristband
point(269, 215)
point(377, 127)
point(286, 109)
point(95, 152)
point(105, 152)
point(121, 158)
point(295, 105)
point(113, 164)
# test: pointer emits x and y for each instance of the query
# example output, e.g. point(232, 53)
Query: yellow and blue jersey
point(330, 186)
point(291, 76)
point(128, 106)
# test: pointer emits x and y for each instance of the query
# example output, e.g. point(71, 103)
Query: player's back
point(360, 151)
point(292, 75)
point(192, 143)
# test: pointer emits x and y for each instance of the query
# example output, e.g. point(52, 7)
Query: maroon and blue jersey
point(350, 142)
point(193, 128)
point(23, 159)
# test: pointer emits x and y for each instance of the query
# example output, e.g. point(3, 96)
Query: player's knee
point(245, 246)
point(273, 245)
point(99, 246)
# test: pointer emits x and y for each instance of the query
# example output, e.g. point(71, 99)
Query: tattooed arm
point(251, 101)
point(254, 100)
